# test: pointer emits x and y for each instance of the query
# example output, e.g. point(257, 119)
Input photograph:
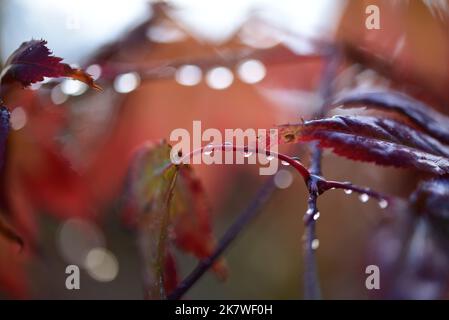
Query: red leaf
point(384, 142)
point(33, 61)
point(193, 232)
point(167, 202)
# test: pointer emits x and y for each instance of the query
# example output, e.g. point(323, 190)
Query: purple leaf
point(382, 141)
point(427, 118)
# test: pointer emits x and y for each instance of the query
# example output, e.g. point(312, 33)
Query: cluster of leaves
point(378, 139)
point(403, 132)
point(165, 203)
point(167, 206)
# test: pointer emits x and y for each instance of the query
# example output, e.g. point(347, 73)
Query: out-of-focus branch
point(260, 199)
point(311, 279)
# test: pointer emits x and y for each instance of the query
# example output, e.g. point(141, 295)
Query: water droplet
point(283, 179)
point(73, 87)
point(309, 211)
point(316, 216)
point(251, 71)
point(247, 154)
point(285, 163)
point(188, 75)
point(94, 70)
point(315, 244)
point(18, 118)
point(270, 157)
point(57, 95)
point(364, 197)
point(348, 191)
point(208, 149)
point(127, 82)
point(383, 204)
point(219, 78)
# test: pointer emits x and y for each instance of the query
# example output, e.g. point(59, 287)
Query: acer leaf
point(384, 142)
point(33, 61)
point(168, 205)
point(193, 232)
point(427, 118)
point(153, 181)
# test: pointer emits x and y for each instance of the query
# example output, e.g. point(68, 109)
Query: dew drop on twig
point(315, 244)
point(364, 197)
point(348, 191)
point(208, 149)
point(383, 204)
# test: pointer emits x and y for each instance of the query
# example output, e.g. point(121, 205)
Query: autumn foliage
point(398, 121)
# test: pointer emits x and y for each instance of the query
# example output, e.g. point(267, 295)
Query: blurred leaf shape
point(33, 61)
point(411, 246)
point(431, 199)
point(167, 204)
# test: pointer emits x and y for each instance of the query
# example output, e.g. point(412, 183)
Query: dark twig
point(261, 198)
point(311, 280)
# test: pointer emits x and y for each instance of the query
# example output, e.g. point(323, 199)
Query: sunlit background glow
point(79, 27)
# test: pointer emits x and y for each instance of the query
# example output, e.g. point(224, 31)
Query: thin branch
point(261, 198)
point(311, 280)
point(292, 161)
point(317, 185)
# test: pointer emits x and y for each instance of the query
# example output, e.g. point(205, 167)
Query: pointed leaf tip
point(33, 61)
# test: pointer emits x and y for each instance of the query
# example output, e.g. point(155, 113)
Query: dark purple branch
point(292, 161)
point(311, 279)
point(261, 198)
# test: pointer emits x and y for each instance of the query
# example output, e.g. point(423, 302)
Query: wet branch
point(311, 279)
